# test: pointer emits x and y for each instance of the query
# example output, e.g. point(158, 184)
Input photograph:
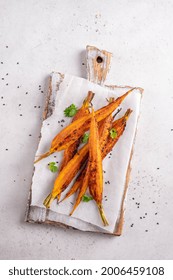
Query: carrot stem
point(47, 202)
point(102, 215)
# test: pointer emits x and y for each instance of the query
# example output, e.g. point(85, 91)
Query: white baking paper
point(65, 91)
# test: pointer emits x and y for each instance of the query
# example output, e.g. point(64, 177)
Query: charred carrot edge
point(75, 130)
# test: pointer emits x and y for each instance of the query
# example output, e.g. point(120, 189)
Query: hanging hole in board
point(99, 59)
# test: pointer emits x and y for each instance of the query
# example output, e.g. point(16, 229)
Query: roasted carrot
point(83, 111)
point(82, 189)
point(76, 129)
point(67, 174)
point(119, 125)
point(95, 181)
point(104, 127)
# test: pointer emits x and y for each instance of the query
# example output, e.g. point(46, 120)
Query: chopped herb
point(70, 111)
point(52, 167)
point(86, 198)
point(85, 138)
point(113, 133)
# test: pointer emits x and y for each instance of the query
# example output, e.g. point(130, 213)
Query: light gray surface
point(52, 35)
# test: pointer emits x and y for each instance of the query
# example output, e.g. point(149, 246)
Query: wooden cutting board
point(98, 65)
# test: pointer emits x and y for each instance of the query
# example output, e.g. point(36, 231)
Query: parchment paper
point(65, 91)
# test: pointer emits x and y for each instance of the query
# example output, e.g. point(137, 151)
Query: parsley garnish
point(70, 111)
point(52, 167)
point(85, 138)
point(86, 198)
point(113, 133)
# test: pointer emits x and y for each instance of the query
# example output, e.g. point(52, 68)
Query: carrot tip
point(43, 156)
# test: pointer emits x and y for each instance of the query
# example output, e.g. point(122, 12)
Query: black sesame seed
point(54, 156)
point(7, 74)
point(146, 230)
point(6, 84)
point(156, 213)
point(30, 135)
point(157, 223)
point(2, 78)
point(132, 225)
point(20, 114)
point(17, 62)
point(2, 62)
point(2, 97)
point(6, 149)
point(26, 93)
point(42, 91)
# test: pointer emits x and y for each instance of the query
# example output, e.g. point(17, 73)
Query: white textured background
point(37, 37)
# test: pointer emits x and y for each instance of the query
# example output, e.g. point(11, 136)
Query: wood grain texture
point(98, 64)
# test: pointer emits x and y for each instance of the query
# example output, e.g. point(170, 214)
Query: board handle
point(98, 64)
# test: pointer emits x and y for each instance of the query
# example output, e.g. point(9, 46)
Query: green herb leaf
point(70, 111)
point(53, 167)
point(85, 138)
point(113, 133)
point(86, 198)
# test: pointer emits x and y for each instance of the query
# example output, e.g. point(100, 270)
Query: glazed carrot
point(82, 190)
point(119, 125)
point(95, 181)
point(104, 128)
point(83, 111)
point(76, 129)
point(67, 174)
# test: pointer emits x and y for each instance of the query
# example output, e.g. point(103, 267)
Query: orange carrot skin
point(95, 163)
point(69, 171)
point(62, 181)
point(119, 125)
point(76, 129)
point(82, 190)
point(83, 111)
